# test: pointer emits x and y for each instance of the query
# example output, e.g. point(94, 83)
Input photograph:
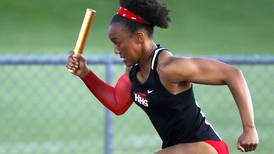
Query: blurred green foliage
point(199, 27)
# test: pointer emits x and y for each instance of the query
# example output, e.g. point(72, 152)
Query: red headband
point(130, 15)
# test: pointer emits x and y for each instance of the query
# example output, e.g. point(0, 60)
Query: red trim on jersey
point(130, 15)
point(117, 98)
point(220, 146)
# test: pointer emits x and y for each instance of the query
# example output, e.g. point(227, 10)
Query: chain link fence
point(46, 110)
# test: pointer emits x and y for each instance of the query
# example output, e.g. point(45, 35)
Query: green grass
point(198, 27)
point(45, 110)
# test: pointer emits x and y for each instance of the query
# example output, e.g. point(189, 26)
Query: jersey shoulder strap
point(156, 53)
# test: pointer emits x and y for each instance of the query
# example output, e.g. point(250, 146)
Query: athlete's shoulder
point(166, 58)
point(169, 65)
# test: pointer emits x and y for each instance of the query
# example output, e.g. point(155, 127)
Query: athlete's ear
point(140, 36)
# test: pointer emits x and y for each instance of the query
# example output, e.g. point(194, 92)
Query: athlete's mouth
point(123, 58)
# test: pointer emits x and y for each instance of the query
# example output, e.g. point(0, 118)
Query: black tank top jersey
point(177, 118)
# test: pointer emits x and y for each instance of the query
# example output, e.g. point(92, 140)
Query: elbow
point(235, 74)
point(119, 112)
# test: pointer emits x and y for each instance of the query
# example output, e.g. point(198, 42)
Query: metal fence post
point(108, 146)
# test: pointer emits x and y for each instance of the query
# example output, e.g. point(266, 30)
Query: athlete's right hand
point(77, 65)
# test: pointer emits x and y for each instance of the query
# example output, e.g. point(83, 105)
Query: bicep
point(123, 88)
point(200, 70)
point(122, 93)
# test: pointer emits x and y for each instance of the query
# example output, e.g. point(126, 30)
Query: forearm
point(108, 95)
point(240, 91)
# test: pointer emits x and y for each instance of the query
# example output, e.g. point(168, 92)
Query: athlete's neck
point(145, 60)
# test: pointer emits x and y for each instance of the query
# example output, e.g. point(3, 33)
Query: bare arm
point(212, 72)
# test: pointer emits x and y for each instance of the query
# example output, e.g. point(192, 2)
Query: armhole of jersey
point(132, 72)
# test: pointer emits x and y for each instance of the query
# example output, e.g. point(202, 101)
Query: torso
point(171, 107)
point(172, 87)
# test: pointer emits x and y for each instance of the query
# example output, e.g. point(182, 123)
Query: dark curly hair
point(154, 12)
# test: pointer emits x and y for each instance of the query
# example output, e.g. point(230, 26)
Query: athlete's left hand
point(249, 140)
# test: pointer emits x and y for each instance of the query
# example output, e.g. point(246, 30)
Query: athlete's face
point(126, 44)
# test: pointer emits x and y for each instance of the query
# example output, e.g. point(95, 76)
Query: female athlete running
point(161, 84)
